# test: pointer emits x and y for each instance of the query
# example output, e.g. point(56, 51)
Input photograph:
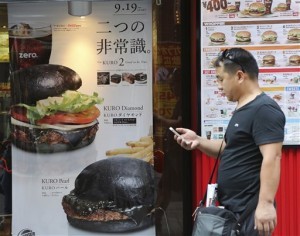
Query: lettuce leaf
point(70, 101)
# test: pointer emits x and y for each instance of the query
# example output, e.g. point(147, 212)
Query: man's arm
point(265, 215)
point(210, 147)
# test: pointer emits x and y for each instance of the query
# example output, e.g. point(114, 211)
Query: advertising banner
point(82, 118)
point(270, 31)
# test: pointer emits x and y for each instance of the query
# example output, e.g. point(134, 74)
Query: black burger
point(112, 195)
point(48, 114)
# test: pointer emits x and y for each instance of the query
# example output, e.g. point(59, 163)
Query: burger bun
point(110, 226)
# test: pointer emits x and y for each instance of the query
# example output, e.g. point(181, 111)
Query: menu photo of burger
point(294, 60)
point(243, 37)
point(293, 35)
point(281, 7)
point(257, 9)
point(217, 38)
point(231, 9)
point(269, 37)
point(48, 113)
point(268, 60)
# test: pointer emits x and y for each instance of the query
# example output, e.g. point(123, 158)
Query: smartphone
point(174, 131)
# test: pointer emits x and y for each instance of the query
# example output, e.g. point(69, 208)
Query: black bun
point(117, 226)
point(52, 140)
point(42, 81)
point(126, 181)
point(119, 184)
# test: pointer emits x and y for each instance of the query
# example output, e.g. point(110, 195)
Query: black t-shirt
point(261, 121)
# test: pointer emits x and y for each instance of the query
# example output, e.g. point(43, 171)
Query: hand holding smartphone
point(179, 135)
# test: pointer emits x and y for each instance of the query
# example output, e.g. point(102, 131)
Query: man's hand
point(188, 139)
point(265, 218)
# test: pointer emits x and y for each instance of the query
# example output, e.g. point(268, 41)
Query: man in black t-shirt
point(251, 151)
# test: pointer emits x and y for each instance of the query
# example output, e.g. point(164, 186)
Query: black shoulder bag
point(218, 221)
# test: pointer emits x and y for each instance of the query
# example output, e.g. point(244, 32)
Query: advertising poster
point(82, 119)
point(270, 30)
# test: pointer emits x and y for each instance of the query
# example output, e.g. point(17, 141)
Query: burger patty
point(99, 215)
point(293, 37)
point(89, 210)
point(243, 39)
point(52, 136)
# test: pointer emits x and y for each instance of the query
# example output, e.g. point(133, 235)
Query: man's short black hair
point(235, 59)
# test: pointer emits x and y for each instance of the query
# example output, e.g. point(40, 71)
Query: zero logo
point(24, 55)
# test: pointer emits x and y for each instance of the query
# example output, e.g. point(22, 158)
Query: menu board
point(270, 30)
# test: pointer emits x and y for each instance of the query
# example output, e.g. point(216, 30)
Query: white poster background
point(41, 180)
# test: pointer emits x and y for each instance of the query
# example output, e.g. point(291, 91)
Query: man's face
point(227, 83)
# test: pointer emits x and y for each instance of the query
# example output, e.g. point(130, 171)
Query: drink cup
point(30, 44)
point(268, 4)
point(208, 134)
point(288, 4)
point(237, 5)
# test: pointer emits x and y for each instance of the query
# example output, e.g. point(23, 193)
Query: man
point(251, 152)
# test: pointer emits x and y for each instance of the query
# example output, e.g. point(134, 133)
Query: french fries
point(142, 148)
point(119, 151)
point(137, 144)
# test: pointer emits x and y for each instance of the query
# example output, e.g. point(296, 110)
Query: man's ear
point(240, 76)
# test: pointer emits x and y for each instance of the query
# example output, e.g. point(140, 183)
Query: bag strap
point(202, 202)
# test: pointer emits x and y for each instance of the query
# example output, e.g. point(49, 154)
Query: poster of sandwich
point(81, 118)
point(270, 31)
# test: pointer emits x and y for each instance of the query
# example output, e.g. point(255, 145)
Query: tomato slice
point(83, 117)
point(19, 113)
